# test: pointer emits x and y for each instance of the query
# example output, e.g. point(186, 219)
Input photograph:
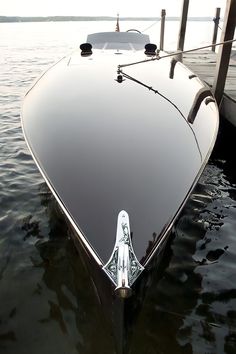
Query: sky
point(108, 7)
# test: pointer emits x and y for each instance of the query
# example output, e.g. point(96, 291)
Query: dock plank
point(203, 64)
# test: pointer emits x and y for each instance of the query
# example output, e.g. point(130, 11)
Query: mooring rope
point(216, 21)
point(157, 57)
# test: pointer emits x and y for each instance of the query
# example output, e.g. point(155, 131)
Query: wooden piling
point(216, 26)
point(225, 50)
point(162, 33)
point(183, 24)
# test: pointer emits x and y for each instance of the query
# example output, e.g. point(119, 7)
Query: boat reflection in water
point(187, 305)
point(70, 307)
point(121, 147)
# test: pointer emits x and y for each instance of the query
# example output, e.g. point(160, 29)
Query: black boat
point(121, 147)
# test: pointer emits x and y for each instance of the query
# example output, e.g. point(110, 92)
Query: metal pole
point(183, 24)
point(216, 21)
point(223, 57)
point(163, 16)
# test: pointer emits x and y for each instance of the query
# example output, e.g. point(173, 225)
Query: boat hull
point(105, 144)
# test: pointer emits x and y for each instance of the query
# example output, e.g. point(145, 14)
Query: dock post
point(162, 33)
point(216, 21)
point(183, 24)
point(225, 50)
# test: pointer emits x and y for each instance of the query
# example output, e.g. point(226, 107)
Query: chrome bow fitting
point(123, 267)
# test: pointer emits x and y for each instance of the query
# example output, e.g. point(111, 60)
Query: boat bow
point(123, 267)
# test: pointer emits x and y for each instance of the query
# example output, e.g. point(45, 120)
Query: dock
point(218, 71)
point(203, 64)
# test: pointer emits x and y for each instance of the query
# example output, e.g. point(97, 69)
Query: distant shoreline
point(4, 19)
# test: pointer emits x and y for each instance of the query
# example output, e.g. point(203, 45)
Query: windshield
point(118, 40)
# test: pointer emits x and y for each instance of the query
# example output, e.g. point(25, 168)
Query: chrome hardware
point(123, 268)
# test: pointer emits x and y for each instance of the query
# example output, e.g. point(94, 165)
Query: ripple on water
point(190, 307)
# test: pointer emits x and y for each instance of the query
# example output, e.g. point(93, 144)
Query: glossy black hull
point(120, 315)
point(121, 147)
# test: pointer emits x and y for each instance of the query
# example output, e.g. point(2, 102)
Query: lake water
point(47, 302)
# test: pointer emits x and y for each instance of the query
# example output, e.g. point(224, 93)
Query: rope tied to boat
point(158, 57)
point(216, 20)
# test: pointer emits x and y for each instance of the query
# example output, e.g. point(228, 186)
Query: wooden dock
point(218, 71)
point(203, 64)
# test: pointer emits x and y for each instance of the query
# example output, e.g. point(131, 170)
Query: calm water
point(47, 303)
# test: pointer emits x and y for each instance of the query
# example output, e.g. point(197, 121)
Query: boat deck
point(203, 63)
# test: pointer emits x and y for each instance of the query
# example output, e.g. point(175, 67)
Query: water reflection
point(187, 303)
point(191, 307)
point(73, 312)
point(208, 326)
point(69, 304)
